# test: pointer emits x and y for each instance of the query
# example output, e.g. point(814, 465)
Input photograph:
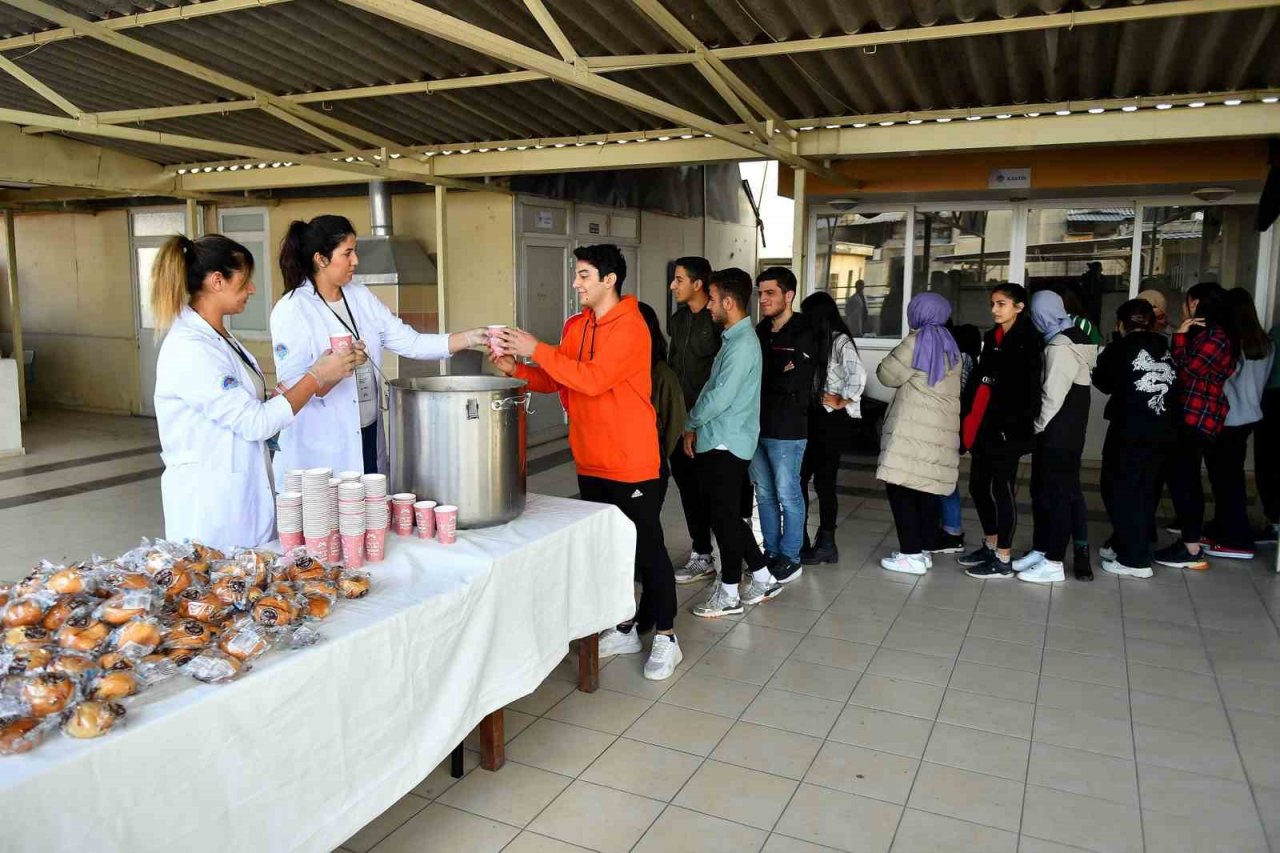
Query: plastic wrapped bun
point(70, 581)
point(111, 686)
point(275, 610)
point(202, 605)
point(61, 611)
point(138, 639)
point(91, 719)
point(125, 606)
point(26, 610)
point(26, 637)
point(188, 634)
point(83, 633)
point(213, 667)
point(48, 694)
point(20, 735)
point(353, 584)
point(173, 582)
point(318, 607)
point(244, 641)
point(28, 661)
point(72, 664)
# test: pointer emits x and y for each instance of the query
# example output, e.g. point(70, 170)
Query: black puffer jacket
point(787, 385)
point(1012, 369)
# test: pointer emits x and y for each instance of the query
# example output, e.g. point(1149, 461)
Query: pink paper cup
point(318, 547)
point(353, 550)
point(340, 343)
point(446, 524)
point(335, 546)
point(289, 541)
point(425, 516)
point(375, 545)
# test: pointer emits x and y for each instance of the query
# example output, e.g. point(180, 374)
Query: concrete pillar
point(799, 235)
point(442, 241)
point(11, 257)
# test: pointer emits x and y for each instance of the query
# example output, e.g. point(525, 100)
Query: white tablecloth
point(311, 745)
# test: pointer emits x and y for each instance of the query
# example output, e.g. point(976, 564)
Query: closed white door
point(544, 285)
point(148, 229)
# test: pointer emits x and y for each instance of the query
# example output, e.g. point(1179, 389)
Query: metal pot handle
point(505, 403)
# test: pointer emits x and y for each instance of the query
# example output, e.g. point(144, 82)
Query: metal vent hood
point(384, 257)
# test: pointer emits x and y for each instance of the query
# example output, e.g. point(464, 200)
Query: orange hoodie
point(601, 369)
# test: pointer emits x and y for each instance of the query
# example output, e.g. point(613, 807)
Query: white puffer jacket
point(920, 444)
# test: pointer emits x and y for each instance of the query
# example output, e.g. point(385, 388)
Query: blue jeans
point(775, 472)
point(951, 521)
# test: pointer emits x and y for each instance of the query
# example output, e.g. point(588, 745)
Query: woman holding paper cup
point(213, 411)
point(320, 309)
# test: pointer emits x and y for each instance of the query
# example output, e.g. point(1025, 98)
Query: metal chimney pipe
point(379, 209)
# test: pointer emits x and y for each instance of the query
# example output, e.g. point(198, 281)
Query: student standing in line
point(950, 539)
point(602, 367)
point(1060, 432)
point(723, 431)
point(667, 397)
point(787, 345)
point(695, 340)
point(1231, 535)
point(838, 383)
point(920, 448)
point(1204, 359)
point(1266, 450)
point(998, 426)
point(1137, 373)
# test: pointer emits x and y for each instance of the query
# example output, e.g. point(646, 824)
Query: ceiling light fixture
point(1129, 109)
point(1195, 105)
point(1096, 110)
point(1164, 106)
point(1233, 102)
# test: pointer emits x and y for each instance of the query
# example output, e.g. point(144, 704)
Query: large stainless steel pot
point(461, 440)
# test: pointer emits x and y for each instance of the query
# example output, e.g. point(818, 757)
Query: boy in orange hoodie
point(601, 368)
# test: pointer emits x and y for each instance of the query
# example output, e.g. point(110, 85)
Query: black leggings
point(993, 485)
point(723, 477)
point(641, 503)
point(1130, 466)
point(1184, 481)
point(369, 447)
point(1224, 460)
point(916, 514)
point(1055, 488)
point(821, 463)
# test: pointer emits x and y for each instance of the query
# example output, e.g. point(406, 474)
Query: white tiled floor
point(859, 711)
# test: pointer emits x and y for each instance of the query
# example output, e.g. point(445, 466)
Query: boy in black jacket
point(1137, 372)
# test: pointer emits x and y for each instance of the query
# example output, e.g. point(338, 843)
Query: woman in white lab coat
point(213, 412)
point(339, 429)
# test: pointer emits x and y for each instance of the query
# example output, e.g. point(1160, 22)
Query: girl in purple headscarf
point(920, 443)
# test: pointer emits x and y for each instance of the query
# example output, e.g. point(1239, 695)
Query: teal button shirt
point(728, 409)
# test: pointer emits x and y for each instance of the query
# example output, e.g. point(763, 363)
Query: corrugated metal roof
point(316, 45)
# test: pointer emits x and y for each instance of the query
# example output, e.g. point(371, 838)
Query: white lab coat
point(213, 429)
point(326, 433)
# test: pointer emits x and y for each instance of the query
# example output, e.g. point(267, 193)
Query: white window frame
point(263, 268)
point(152, 242)
point(1268, 242)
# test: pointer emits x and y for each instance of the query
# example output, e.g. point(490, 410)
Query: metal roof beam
point(34, 84)
point(717, 73)
point(91, 29)
point(142, 19)
point(549, 26)
point(468, 35)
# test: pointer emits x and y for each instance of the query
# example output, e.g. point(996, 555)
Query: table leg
point(492, 742)
point(455, 762)
point(589, 663)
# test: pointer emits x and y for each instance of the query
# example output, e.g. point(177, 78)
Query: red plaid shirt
point(1204, 364)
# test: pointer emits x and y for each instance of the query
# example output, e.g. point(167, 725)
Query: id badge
point(366, 385)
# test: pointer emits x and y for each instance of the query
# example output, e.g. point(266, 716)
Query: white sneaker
point(664, 657)
point(719, 603)
point(699, 567)
point(1046, 571)
point(1116, 568)
point(1107, 554)
point(615, 642)
point(908, 564)
point(1029, 560)
point(928, 559)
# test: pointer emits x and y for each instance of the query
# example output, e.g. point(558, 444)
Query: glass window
point(144, 258)
point(1184, 245)
point(1085, 254)
point(960, 254)
point(159, 223)
point(249, 228)
point(861, 257)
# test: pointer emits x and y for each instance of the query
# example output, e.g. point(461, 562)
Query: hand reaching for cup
point(516, 342)
point(333, 367)
point(504, 363)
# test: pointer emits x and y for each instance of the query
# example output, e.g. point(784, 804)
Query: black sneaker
point(786, 570)
point(948, 543)
point(1178, 557)
point(992, 569)
point(1082, 565)
point(977, 557)
point(1266, 536)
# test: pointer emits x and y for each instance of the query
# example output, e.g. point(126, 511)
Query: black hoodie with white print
point(1138, 374)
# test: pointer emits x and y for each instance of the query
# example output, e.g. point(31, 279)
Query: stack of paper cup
point(293, 480)
point(289, 520)
point(335, 538)
point(425, 516)
point(351, 522)
point(446, 524)
point(402, 512)
point(316, 524)
point(376, 516)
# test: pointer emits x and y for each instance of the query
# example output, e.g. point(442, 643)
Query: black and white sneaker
point(948, 543)
point(785, 570)
point(977, 557)
point(992, 569)
point(1178, 556)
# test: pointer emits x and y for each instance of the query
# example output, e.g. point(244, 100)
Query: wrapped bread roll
point(20, 735)
point(47, 694)
point(92, 719)
point(113, 685)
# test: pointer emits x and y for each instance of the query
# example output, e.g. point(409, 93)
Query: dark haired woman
point(1231, 535)
point(212, 407)
point(1000, 405)
point(838, 383)
point(1204, 358)
point(667, 395)
point(1135, 370)
point(341, 431)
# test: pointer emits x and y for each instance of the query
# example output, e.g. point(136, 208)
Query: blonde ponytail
point(180, 269)
point(169, 282)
